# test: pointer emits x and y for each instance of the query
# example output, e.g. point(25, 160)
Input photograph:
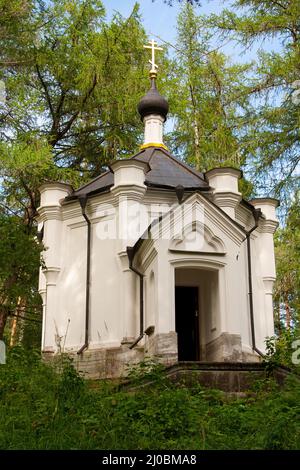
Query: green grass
point(43, 409)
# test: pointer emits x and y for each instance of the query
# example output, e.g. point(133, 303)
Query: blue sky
point(155, 15)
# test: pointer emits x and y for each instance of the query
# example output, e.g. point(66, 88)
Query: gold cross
point(153, 46)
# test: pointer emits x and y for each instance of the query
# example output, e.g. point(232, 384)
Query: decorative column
point(50, 215)
point(129, 190)
point(224, 182)
point(43, 294)
point(267, 228)
point(128, 301)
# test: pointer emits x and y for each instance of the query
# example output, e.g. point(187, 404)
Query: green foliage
point(80, 85)
point(270, 137)
point(70, 102)
point(208, 99)
point(51, 407)
point(284, 350)
point(16, 23)
point(287, 286)
point(206, 96)
point(72, 81)
point(148, 369)
point(23, 164)
point(19, 267)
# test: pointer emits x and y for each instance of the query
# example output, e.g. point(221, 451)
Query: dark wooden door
point(187, 323)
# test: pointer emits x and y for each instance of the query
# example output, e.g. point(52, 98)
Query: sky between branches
point(160, 20)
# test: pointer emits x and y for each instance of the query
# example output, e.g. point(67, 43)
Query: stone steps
point(231, 377)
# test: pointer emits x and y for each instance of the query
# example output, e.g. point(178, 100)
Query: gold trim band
point(152, 144)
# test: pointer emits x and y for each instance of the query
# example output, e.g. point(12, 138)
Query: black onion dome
point(153, 103)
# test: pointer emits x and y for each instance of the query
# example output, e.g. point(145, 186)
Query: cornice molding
point(269, 226)
point(186, 262)
point(243, 216)
point(226, 198)
point(51, 273)
point(212, 213)
point(55, 185)
point(129, 163)
point(123, 257)
point(52, 212)
point(268, 284)
point(147, 254)
point(132, 192)
point(223, 171)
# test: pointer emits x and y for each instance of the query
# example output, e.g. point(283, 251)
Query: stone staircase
point(230, 377)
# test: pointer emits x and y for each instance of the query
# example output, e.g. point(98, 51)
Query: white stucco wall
point(219, 263)
point(221, 277)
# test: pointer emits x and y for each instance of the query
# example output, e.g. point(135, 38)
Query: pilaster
point(266, 255)
point(50, 216)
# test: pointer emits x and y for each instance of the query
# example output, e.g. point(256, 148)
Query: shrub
point(52, 407)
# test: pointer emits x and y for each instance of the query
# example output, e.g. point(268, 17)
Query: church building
point(155, 259)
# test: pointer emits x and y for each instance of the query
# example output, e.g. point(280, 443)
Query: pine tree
point(19, 267)
point(271, 137)
point(75, 93)
point(72, 81)
point(205, 90)
point(287, 287)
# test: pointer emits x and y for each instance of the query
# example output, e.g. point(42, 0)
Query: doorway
point(187, 322)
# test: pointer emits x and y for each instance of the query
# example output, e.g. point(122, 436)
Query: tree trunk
point(4, 305)
point(278, 319)
point(18, 312)
point(197, 146)
point(3, 319)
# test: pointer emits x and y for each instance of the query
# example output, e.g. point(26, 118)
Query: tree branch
point(76, 114)
point(45, 90)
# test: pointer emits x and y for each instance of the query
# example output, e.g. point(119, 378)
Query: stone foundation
point(163, 347)
point(251, 357)
point(111, 363)
point(103, 363)
point(226, 348)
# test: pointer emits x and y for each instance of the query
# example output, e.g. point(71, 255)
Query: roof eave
point(74, 197)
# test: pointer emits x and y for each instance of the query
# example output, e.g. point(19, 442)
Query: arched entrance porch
point(197, 311)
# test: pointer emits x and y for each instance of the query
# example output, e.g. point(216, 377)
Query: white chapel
point(155, 259)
